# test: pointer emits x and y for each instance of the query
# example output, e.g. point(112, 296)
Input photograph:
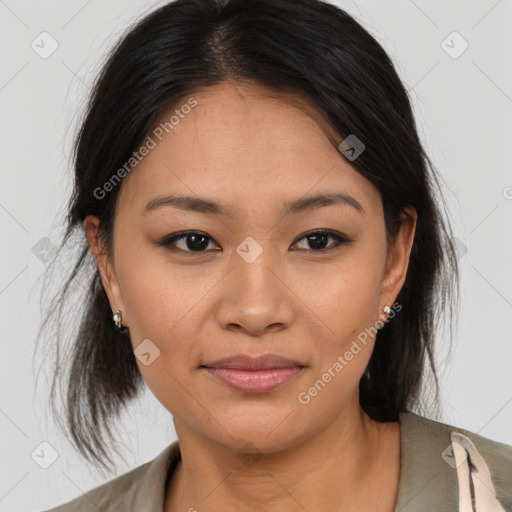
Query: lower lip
point(254, 381)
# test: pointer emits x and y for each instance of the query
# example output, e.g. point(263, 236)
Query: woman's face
point(254, 283)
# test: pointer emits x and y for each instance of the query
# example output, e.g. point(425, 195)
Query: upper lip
point(261, 362)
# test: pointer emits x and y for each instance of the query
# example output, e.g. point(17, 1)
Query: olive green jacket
point(443, 469)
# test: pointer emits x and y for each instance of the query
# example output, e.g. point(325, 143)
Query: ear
point(398, 257)
point(106, 267)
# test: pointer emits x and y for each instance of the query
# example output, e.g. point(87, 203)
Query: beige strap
point(478, 475)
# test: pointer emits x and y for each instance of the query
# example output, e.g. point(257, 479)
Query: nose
point(256, 296)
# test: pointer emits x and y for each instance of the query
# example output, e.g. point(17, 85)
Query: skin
point(253, 150)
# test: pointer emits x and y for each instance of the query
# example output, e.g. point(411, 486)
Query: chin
point(259, 433)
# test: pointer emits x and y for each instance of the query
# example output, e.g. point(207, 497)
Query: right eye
point(194, 241)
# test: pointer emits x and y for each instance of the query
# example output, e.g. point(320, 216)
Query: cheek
point(347, 303)
point(158, 301)
point(159, 307)
point(164, 304)
point(156, 293)
point(346, 295)
point(346, 299)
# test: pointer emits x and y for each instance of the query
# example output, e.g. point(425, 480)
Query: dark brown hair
point(306, 47)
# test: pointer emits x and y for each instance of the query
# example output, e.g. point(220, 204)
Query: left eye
point(197, 241)
point(318, 238)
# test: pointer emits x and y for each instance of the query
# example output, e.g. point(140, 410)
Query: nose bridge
point(255, 266)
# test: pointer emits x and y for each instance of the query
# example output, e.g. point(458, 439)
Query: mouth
point(254, 374)
point(254, 381)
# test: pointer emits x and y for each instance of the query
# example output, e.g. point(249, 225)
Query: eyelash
point(341, 240)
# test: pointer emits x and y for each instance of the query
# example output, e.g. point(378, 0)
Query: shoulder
point(109, 496)
point(496, 453)
point(142, 488)
point(470, 462)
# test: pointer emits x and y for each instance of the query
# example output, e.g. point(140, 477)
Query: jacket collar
point(427, 480)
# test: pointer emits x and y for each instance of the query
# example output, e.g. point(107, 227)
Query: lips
point(254, 374)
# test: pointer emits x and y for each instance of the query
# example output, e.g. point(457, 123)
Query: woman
point(270, 258)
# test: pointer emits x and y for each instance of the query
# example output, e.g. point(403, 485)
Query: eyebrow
point(209, 207)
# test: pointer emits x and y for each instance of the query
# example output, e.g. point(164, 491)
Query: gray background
point(463, 107)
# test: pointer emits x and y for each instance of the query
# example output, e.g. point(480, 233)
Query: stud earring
point(117, 317)
point(386, 310)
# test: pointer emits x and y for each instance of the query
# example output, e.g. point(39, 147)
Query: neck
point(332, 470)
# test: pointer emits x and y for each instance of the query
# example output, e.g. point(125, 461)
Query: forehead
point(243, 145)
